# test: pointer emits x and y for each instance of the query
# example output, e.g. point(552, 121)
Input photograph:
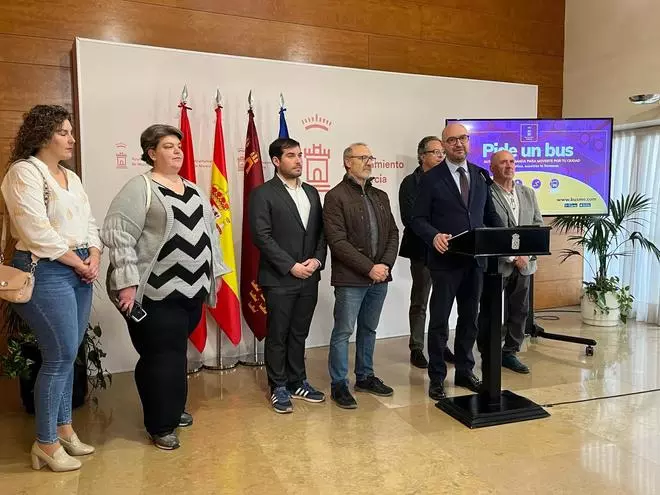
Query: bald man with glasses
point(453, 198)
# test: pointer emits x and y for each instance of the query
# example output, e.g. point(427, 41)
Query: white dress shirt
point(66, 224)
point(456, 175)
point(299, 197)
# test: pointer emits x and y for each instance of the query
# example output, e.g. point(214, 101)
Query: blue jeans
point(58, 314)
point(355, 304)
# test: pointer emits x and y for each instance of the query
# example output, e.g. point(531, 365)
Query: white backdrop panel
point(125, 88)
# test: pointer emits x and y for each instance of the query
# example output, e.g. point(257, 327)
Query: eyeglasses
point(364, 158)
point(451, 141)
point(438, 153)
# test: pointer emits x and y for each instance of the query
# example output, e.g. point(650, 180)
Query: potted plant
point(23, 361)
point(605, 301)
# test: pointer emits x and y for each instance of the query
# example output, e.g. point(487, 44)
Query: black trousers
point(290, 312)
point(462, 283)
point(419, 298)
point(516, 309)
point(161, 340)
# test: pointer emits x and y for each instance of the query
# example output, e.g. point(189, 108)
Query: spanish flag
point(227, 312)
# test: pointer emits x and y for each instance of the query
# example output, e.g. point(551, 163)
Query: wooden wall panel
point(426, 57)
point(10, 121)
point(35, 51)
point(536, 37)
point(549, 96)
point(516, 11)
point(461, 27)
point(22, 86)
point(532, 68)
point(550, 11)
point(555, 294)
point(5, 147)
point(556, 283)
point(503, 40)
point(387, 17)
point(549, 112)
point(170, 27)
point(490, 30)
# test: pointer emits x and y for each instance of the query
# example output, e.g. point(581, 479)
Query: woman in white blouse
point(58, 240)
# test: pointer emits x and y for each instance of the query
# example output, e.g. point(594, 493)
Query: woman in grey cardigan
point(165, 257)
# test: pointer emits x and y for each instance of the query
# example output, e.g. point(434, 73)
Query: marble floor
point(398, 445)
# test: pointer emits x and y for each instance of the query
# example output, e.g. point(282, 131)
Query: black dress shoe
point(511, 362)
point(437, 391)
point(469, 381)
point(418, 360)
point(449, 356)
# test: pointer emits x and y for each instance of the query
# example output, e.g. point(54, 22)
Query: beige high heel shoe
point(61, 461)
point(74, 446)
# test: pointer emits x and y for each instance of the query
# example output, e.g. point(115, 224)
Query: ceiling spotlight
point(645, 99)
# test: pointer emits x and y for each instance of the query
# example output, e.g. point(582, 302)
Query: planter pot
point(26, 384)
point(593, 315)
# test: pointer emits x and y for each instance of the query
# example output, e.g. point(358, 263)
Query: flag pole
point(257, 358)
point(194, 365)
point(220, 362)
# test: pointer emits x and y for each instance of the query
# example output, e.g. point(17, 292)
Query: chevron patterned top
point(183, 267)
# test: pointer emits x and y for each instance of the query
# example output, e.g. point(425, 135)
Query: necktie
point(465, 189)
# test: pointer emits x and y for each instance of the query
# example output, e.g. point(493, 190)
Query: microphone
point(484, 173)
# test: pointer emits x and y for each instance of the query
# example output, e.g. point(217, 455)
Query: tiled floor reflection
point(399, 445)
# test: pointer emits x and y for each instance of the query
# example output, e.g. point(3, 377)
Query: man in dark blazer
point(453, 198)
point(429, 154)
point(286, 222)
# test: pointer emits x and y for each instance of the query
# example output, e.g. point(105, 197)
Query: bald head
point(503, 167)
point(455, 140)
point(453, 129)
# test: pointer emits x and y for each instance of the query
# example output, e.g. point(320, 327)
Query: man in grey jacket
point(516, 205)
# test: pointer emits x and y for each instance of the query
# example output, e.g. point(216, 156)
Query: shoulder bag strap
point(5, 211)
point(148, 184)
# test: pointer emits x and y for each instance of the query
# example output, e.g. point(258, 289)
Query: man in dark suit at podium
point(453, 198)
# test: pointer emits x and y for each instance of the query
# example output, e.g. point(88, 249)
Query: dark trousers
point(516, 309)
point(290, 312)
point(161, 340)
point(419, 298)
point(462, 283)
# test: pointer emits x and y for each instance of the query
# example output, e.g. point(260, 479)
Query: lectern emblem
point(515, 241)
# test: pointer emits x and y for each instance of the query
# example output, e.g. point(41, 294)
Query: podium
point(494, 406)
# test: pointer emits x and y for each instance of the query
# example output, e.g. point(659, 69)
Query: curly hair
point(39, 125)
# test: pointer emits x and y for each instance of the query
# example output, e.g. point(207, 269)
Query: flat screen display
point(566, 161)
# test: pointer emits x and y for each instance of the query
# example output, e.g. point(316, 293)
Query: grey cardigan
point(135, 236)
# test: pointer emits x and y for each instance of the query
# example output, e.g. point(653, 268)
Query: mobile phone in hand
point(137, 314)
